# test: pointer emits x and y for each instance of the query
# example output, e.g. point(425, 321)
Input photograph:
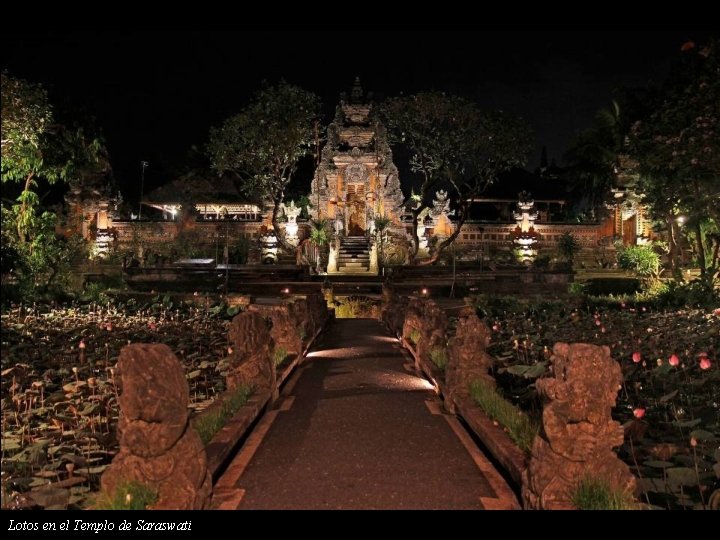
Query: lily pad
point(657, 464)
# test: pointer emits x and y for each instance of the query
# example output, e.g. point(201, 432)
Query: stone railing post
point(158, 449)
point(251, 361)
point(468, 360)
point(578, 433)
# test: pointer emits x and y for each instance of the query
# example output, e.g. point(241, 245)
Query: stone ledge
point(226, 441)
point(497, 442)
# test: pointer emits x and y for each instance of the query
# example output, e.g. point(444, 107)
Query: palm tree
point(381, 224)
point(593, 159)
point(319, 237)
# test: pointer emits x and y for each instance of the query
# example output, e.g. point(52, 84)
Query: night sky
point(154, 95)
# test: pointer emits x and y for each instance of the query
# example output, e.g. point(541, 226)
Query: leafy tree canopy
point(678, 148)
point(266, 140)
point(451, 142)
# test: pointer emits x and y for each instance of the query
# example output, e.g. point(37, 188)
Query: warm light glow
point(286, 290)
point(291, 228)
point(424, 292)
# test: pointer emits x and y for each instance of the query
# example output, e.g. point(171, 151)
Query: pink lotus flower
point(674, 361)
point(705, 363)
point(597, 322)
point(639, 413)
point(81, 345)
point(636, 357)
point(152, 326)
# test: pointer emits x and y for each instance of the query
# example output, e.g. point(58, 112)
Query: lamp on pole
point(144, 164)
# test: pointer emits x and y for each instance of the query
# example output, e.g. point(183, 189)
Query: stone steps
point(354, 255)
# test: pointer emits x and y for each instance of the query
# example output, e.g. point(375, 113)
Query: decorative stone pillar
point(251, 362)
point(373, 257)
point(524, 237)
point(291, 227)
point(157, 447)
point(467, 359)
point(269, 248)
point(333, 254)
point(578, 433)
point(422, 237)
point(103, 236)
point(425, 321)
point(284, 329)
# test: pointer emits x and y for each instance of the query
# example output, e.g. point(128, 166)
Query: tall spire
point(357, 92)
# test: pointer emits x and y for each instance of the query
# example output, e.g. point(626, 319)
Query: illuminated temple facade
point(356, 180)
point(355, 183)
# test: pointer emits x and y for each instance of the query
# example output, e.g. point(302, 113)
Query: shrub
point(439, 358)
point(127, 496)
point(518, 425)
point(207, 425)
point(280, 354)
point(641, 260)
point(595, 494)
point(696, 293)
point(577, 288)
point(568, 246)
point(541, 262)
point(605, 286)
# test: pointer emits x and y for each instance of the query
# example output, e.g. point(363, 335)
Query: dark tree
point(264, 143)
point(451, 142)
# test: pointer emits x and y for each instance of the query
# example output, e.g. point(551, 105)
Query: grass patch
point(415, 336)
point(127, 496)
point(595, 494)
point(353, 307)
point(519, 426)
point(439, 357)
point(207, 425)
point(280, 354)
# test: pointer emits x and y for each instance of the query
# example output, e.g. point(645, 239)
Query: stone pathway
point(356, 428)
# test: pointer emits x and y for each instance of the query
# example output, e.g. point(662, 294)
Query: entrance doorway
point(357, 219)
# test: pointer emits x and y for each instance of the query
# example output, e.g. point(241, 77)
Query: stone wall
point(251, 361)
point(295, 322)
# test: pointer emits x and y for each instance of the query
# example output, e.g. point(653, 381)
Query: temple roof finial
point(357, 92)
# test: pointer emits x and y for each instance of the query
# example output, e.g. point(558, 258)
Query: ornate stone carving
point(441, 204)
point(356, 173)
point(357, 153)
point(525, 238)
point(578, 433)
point(251, 361)
point(285, 328)
point(157, 448)
point(467, 359)
point(393, 309)
point(426, 321)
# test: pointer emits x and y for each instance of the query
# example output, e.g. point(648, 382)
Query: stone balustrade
point(578, 434)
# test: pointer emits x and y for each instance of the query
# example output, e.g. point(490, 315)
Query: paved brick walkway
point(357, 429)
